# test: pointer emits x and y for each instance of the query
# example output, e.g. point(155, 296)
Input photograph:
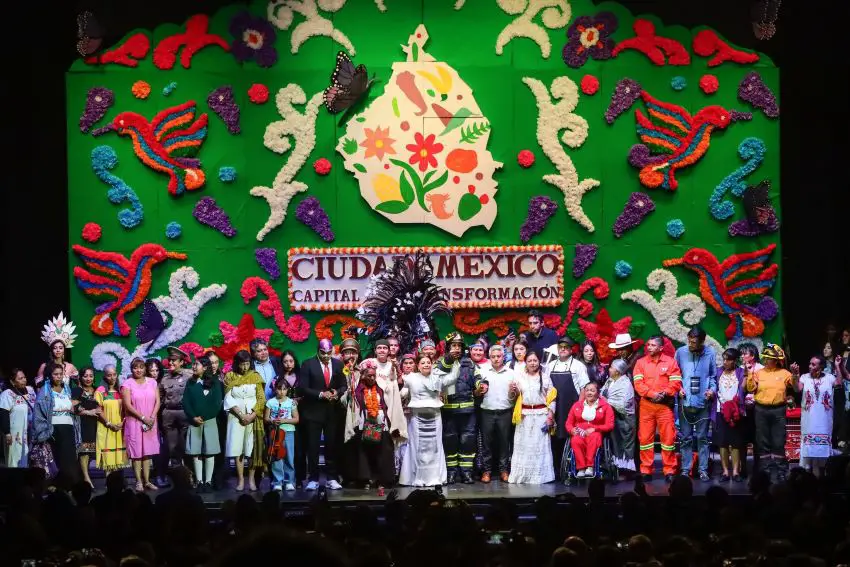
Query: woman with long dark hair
point(534, 417)
point(87, 412)
point(55, 433)
point(731, 412)
point(202, 401)
point(141, 425)
point(245, 402)
point(590, 357)
point(16, 414)
point(59, 335)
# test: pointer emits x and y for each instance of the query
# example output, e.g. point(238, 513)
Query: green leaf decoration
point(457, 120)
point(361, 119)
point(408, 195)
point(430, 92)
point(575, 334)
point(415, 52)
point(441, 180)
point(277, 341)
point(395, 108)
point(216, 339)
point(360, 167)
point(349, 146)
point(428, 176)
point(468, 207)
point(471, 133)
point(391, 207)
point(636, 328)
point(444, 97)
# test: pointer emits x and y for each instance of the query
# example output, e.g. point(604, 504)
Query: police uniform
point(174, 424)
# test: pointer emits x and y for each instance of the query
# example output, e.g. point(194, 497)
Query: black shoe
point(451, 477)
point(737, 478)
point(724, 477)
point(646, 477)
point(668, 478)
point(466, 478)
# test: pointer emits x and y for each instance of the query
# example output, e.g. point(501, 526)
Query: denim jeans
point(283, 470)
point(693, 425)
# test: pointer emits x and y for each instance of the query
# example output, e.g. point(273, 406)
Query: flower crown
point(59, 329)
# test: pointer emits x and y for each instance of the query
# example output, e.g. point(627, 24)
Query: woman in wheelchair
point(589, 420)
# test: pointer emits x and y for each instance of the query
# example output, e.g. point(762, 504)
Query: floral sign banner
point(337, 279)
point(419, 151)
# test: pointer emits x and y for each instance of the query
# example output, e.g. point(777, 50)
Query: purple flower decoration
point(753, 90)
point(747, 227)
point(637, 208)
point(585, 256)
point(311, 213)
point(267, 259)
point(98, 102)
point(209, 213)
point(540, 210)
point(254, 38)
point(590, 36)
point(221, 102)
point(624, 96)
point(766, 309)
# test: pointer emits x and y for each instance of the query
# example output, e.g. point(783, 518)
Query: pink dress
point(141, 444)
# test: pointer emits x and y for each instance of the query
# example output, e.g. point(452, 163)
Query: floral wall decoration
point(324, 326)
point(412, 162)
point(551, 119)
point(602, 331)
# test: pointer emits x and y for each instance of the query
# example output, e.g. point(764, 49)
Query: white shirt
point(498, 386)
point(577, 368)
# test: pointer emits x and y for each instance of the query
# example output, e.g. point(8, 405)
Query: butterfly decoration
point(349, 85)
point(89, 34)
point(757, 203)
point(151, 323)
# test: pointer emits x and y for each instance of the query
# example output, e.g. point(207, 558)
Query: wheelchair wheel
point(567, 471)
point(611, 471)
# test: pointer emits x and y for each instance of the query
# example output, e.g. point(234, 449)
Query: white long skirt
point(17, 454)
point(240, 438)
point(425, 461)
point(531, 462)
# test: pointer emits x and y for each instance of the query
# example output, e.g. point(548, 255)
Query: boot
point(466, 477)
point(451, 477)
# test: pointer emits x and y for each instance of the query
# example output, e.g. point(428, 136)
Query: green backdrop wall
point(465, 39)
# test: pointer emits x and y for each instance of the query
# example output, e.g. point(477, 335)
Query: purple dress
point(141, 444)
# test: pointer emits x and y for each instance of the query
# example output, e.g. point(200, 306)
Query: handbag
point(372, 430)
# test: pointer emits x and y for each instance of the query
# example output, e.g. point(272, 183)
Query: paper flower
point(227, 174)
point(128, 54)
point(221, 102)
point(751, 150)
point(323, 329)
point(589, 85)
point(296, 328)
point(637, 208)
point(311, 213)
point(195, 37)
point(540, 211)
point(656, 48)
point(209, 213)
point(590, 36)
point(709, 84)
point(555, 14)
point(747, 227)
point(468, 322)
point(141, 89)
point(679, 83)
point(322, 166)
point(624, 96)
point(98, 102)
point(754, 91)
point(254, 39)
point(525, 158)
point(267, 259)
point(92, 232)
point(579, 305)
point(258, 93)
point(551, 119)
point(707, 43)
point(675, 228)
point(585, 255)
point(622, 269)
point(281, 14)
point(103, 160)
point(173, 230)
point(602, 331)
point(169, 88)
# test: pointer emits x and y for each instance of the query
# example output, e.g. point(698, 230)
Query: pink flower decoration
point(525, 158)
point(258, 94)
point(589, 85)
point(709, 84)
point(322, 166)
point(92, 232)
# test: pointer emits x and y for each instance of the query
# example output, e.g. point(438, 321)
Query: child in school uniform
point(282, 415)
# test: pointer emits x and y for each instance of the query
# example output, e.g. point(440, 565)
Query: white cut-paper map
point(419, 150)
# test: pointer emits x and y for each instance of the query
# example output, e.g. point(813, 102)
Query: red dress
point(585, 446)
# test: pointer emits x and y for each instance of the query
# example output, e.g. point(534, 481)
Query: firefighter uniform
point(652, 377)
point(460, 434)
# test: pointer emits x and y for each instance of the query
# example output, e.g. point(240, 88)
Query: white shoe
point(289, 486)
point(580, 474)
point(588, 472)
point(334, 485)
point(312, 485)
point(276, 487)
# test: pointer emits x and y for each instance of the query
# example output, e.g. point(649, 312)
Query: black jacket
point(311, 381)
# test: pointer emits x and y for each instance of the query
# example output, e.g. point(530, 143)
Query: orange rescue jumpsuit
point(653, 377)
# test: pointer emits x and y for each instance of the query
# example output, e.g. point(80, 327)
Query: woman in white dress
point(816, 416)
point(531, 462)
point(425, 464)
point(15, 416)
point(245, 403)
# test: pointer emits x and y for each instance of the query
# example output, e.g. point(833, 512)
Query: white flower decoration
point(302, 129)
point(281, 14)
point(555, 14)
point(551, 119)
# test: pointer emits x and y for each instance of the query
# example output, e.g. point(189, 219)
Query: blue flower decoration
point(675, 228)
point(173, 230)
point(103, 160)
point(622, 269)
point(679, 83)
point(751, 150)
point(169, 88)
point(227, 174)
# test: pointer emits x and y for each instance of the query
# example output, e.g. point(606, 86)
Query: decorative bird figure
point(677, 138)
point(167, 144)
point(126, 281)
point(735, 287)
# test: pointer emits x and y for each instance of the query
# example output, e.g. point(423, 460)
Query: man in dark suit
point(322, 384)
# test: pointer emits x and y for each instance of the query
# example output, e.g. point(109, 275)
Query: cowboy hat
point(622, 341)
point(174, 351)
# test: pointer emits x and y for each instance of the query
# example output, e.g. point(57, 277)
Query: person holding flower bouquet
point(729, 420)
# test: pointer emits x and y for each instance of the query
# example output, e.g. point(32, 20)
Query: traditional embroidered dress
point(88, 423)
point(247, 393)
point(816, 418)
point(110, 451)
point(374, 445)
point(532, 462)
point(17, 407)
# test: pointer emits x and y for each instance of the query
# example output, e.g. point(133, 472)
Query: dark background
point(809, 47)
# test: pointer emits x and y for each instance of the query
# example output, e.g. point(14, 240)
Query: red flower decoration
point(322, 166)
point(653, 46)
point(602, 331)
point(92, 232)
point(258, 94)
point(709, 84)
point(195, 38)
point(127, 54)
point(423, 151)
point(239, 338)
point(525, 158)
point(589, 85)
point(580, 305)
point(707, 43)
point(297, 329)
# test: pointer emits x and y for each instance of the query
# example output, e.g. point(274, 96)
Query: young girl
point(281, 415)
point(16, 413)
point(87, 412)
point(728, 421)
point(201, 402)
point(110, 451)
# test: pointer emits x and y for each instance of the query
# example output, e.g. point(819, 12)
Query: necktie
point(327, 372)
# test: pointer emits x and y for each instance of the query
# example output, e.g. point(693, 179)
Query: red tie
point(327, 375)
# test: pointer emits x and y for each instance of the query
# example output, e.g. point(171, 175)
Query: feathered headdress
point(403, 301)
point(59, 329)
